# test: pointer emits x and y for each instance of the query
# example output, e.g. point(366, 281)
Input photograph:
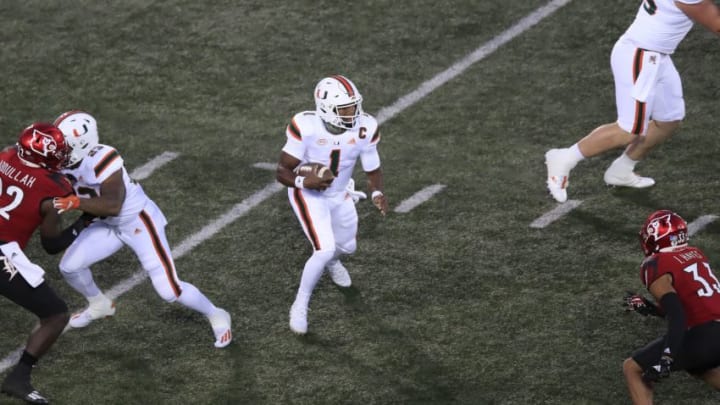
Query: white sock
point(575, 153)
point(82, 281)
point(191, 297)
point(98, 299)
point(314, 268)
point(623, 164)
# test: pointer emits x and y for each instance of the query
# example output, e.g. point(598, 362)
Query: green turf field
point(458, 301)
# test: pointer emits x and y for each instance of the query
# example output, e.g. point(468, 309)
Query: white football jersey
point(87, 178)
point(659, 25)
point(309, 141)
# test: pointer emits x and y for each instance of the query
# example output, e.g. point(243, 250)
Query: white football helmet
point(333, 93)
point(80, 131)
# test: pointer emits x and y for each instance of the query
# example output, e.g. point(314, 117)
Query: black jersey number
point(335, 161)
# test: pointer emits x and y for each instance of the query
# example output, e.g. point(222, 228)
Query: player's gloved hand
point(356, 195)
point(637, 303)
point(63, 204)
point(661, 370)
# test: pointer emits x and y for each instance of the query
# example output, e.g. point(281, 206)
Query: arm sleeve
point(675, 315)
point(67, 236)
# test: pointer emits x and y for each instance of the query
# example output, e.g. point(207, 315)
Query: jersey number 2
point(707, 288)
point(17, 194)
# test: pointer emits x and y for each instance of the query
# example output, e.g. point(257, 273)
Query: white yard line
point(144, 171)
point(418, 198)
point(556, 213)
point(383, 115)
point(700, 223)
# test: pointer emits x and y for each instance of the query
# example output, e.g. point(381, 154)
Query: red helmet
point(43, 144)
point(663, 229)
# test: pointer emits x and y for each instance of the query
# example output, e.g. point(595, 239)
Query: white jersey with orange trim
point(659, 25)
point(309, 141)
point(87, 178)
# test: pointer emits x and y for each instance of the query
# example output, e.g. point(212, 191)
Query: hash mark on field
point(700, 223)
point(384, 114)
point(557, 213)
point(144, 171)
point(418, 198)
point(265, 165)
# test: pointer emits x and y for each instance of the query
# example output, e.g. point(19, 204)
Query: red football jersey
point(694, 281)
point(22, 190)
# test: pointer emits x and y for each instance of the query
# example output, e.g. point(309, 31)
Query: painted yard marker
point(418, 198)
point(558, 212)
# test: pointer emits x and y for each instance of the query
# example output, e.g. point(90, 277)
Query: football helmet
point(663, 229)
point(334, 93)
point(81, 135)
point(43, 144)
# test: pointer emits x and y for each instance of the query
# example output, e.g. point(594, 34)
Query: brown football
point(316, 169)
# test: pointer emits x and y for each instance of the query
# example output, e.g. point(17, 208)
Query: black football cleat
point(23, 390)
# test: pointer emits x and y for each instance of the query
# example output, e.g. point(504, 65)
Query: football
point(316, 169)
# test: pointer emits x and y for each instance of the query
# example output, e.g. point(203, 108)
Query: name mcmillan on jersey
point(15, 174)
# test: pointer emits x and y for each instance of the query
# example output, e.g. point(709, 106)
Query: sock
point(623, 164)
point(191, 297)
point(575, 153)
point(28, 359)
point(82, 281)
point(24, 366)
point(98, 298)
point(313, 270)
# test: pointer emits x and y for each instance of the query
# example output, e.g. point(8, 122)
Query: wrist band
point(376, 193)
point(299, 180)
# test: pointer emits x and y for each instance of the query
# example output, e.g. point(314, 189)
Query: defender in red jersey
point(29, 179)
point(680, 279)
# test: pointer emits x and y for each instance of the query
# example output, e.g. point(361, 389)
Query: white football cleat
point(558, 173)
point(221, 326)
point(627, 180)
point(338, 273)
point(298, 318)
point(102, 309)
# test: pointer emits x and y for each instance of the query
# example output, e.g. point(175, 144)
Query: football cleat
point(338, 273)
point(221, 324)
point(102, 309)
point(627, 180)
point(22, 390)
point(558, 173)
point(298, 318)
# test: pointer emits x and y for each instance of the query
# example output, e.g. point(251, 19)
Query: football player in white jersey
point(648, 94)
point(125, 216)
point(336, 134)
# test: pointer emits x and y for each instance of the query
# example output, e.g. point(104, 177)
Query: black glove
point(659, 371)
point(643, 306)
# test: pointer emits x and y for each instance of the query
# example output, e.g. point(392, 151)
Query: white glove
point(355, 195)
